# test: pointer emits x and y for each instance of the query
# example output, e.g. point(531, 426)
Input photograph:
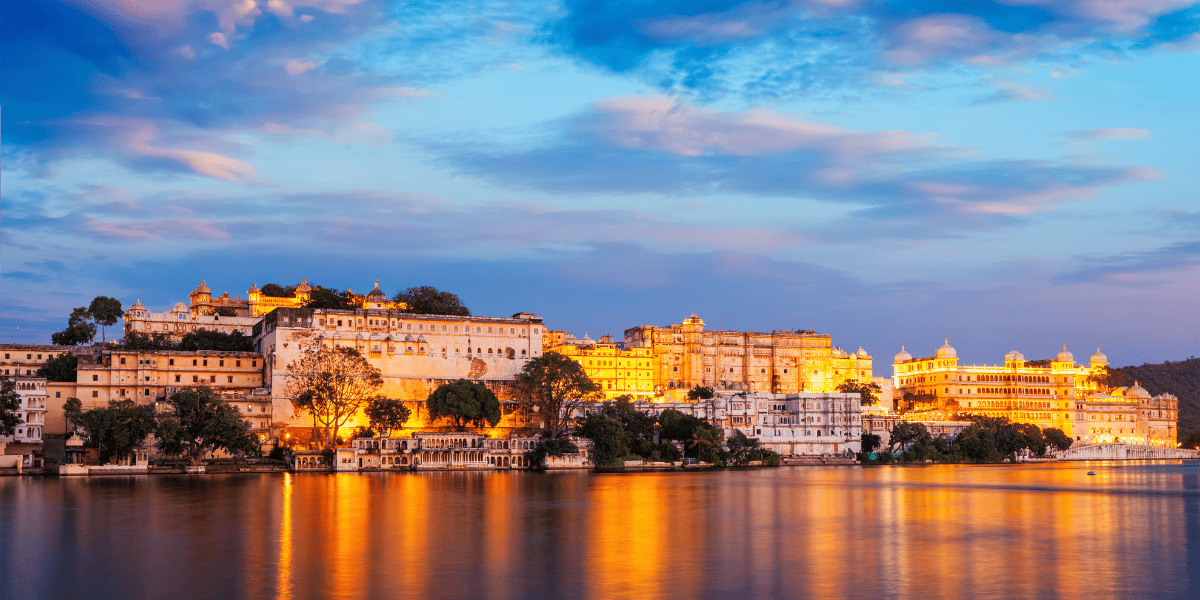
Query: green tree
point(906, 432)
point(225, 311)
point(330, 298)
point(555, 387)
point(870, 442)
point(73, 413)
point(640, 425)
point(140, 341)
point(80, 329)
point(105, 311)
point(976, 444)
point(116, 431)
point(10, 403)
point(707, 442)
point(61, 368)
point(868, 391)
point(427, 300)
point(332, 385)
point(744, 450)
point(275, 290)
point(199, 423)
point(387, 414)
point(700, 393)
point(610, 441)
point(1057, 438)
point(204, 339)
point(675, 425)
point(464, 402)
point(546, 447)
point(1034, 440)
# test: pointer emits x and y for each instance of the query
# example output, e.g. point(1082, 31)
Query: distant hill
point(1181, 378)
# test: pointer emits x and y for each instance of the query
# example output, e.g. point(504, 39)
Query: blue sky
point(1017, 174)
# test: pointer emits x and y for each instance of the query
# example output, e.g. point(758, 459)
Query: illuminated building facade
point(1048, 393)
point(779, 362)
point(617, 370)
point(415, 353)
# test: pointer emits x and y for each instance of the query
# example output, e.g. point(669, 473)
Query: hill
point(1181, 378)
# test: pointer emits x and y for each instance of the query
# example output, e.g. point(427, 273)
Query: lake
point(934, 531)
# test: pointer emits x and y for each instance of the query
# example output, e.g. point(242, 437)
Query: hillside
point(1181, 378)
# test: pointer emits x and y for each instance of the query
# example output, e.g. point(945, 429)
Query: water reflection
point(1037, 531)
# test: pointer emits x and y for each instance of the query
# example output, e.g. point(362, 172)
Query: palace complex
point(1048, 393)
point(776, 362)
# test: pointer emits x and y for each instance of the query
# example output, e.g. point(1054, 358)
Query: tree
point(555, 386)
point(61, 368)
point(199, 423)
point(275, 290)
point(639, 425)
point(700, 393)
point(1057, 438)
point(610, 441)
point(80, 329)
point(870, 442)
point(105, 311)
point(387, 414)
point(556, 448)
point(977, 444)
point(73, 413)
point(1107, 378)
point(10, 403)
point(427, 300)
point(332, 384)
point(330, 298)
point(1034, 440)
point(707, 441)
point(140, 341)
point(868, 391)
point(225, 311)
point(675, 425)
point(905, 432)
point(118, 429)
point(464, 402)
point(204, 339)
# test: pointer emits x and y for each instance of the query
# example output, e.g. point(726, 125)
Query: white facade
point(32, 391)
point(180, 321)
point(415, 353)
point(802, 424)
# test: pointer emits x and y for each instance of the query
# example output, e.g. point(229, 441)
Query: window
point(58, 394)
point(206, 362)
point(193, 362)
point(230, 378)
point(222, 363)
point(122, 360)
point(147, 393)
point(254, 363)
point(28, 357)
point(147, 378)
point(95, 378)
point(39, 357)
point(195, 379)
point(177, 378)
point(95, 394)
point(171, 362)
point(339, 322)
point(212, 378)
point(239, 363)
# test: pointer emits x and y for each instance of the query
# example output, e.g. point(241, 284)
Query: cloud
point(776, 49)
point(1007, 91)
point(658, 145)
point(1144, 268)
point(1115, 133)
point(296, 66)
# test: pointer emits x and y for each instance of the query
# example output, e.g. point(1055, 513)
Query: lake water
point(936, 531)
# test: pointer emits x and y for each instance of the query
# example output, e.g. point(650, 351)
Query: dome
point(303, 287)
point(1014, 356)
point(1137, 391)
point(862, 353)
point(138, 305)
point(202, 288)
point(408, 338)
point(903, 355)
point(1065, 356)
point(839, 352)
point(253, 289)
point(376, 294)
point(179, 307)
point(1099, 357)
point(946, 351)
point(75, 441)
point(586, 341)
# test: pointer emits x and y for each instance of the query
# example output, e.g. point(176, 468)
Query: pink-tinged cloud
point(135, 136)
point(1121, 15)
point(663, 124)
point(149, 231)
point(168, 16)
point(1114, 133)
point(936, 36)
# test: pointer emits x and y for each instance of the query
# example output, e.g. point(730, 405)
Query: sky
point(1008, 175)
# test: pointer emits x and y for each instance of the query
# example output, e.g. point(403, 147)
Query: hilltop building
point(1048, 393)
point(776, 362)
point(415, 353)
point(617, 370)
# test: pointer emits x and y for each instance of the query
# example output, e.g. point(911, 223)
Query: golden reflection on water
point(936, 531)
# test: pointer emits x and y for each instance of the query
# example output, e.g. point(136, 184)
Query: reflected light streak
point(283, 586)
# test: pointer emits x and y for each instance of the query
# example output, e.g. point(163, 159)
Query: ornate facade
point(1048, 393)
point(617, 370)
point(415, 353)
point(780, 361)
